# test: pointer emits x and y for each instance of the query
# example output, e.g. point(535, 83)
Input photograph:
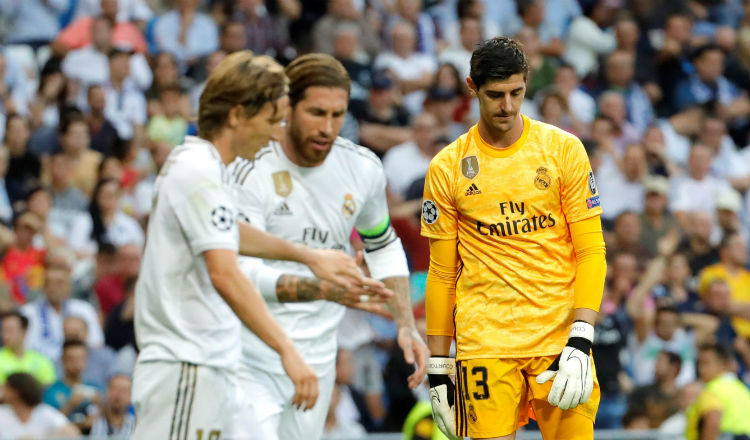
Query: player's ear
point(472, 86)
point(233, 118)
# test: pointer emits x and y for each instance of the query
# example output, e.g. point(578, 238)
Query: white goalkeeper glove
point(574, 379)
point(443, 394)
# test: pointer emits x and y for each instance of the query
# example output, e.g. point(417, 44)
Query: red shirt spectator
point(79, 34)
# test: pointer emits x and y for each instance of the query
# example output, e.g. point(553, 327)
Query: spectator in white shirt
point(412, 71)
point(727, 162)
point(125, 104)
point(621, 182)
point(90, 65)
point(114, 421)
point(579, 102)
point(106, 223)
point(46, 315)
point(460, 55)
point(407, 162)
point(586, 39)
point(25, 416)
point(698, 190)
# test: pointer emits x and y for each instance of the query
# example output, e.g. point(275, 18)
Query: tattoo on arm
point(292, 288)
point(400, 303)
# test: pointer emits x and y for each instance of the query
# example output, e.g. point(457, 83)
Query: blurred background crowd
point(95, 93)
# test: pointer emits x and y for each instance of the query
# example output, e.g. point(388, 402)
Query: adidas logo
point(282, 209)
point(473, 190)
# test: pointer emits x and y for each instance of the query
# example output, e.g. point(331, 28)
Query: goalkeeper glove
point(574, 378)
point(443, 394)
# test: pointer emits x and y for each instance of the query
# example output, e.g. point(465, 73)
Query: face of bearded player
point(315, 122)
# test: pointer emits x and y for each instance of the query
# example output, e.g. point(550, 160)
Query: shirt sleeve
point(439, 214)
point(373, 219)
point(207, 215)
point(579, 194)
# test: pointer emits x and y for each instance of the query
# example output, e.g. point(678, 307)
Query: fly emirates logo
point(514, 221)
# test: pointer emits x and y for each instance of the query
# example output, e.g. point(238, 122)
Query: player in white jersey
point(314, 187)
point(191, 296)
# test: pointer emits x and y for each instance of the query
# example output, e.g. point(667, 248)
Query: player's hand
point(363, 292)
point(443, 394)
point(415, 350)
point(334, 266)
point(574, 379)
point(304, 379)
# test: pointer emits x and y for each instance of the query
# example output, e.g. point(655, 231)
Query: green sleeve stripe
point(378, 229)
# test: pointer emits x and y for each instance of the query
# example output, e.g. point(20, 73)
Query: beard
point(304, 149)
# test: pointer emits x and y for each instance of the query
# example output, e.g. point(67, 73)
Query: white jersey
point(318, 207)
point(179, 316)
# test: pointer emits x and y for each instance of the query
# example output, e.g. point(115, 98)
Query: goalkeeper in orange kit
point(517, 267)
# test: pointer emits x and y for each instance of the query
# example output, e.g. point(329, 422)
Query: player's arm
point(243, 298)
point(326, 264)
point(276, 286)
point(572, 373)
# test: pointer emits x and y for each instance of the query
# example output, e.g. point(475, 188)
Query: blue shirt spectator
point(200, 38)
point(34, 22)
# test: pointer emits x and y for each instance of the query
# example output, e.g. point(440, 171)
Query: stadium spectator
point(39, 201)
point(71, 395)
point(6, 210)
point(383, 122)
point(232, 37)
point(660, 398)
point(620, 181)
point(676, 288)
point(728, 211)
point(110, 288)
point(114, 420)
point(125, 106)
point(14, 89)
point(460, 55)
point(655, 147)
point(106, 222)
point(103, 135)
point(50, 97)
point(22, 261)
point(46, 315)
point(14, 358)
point(100, 361)
point(697, 245)
point(532, 14)
point(344, 12)
point(170, 125)
point(79, 33)
point(118, 329)
point(587, 39)
point(136, 11)
point(718, 304)
point(698, 190)
point(23, 167)
point(443, 103)
point(620, 73)
point(581, 103)
point(264, 33)
point(67, 202)
point(411, 70)
point(25, 416)
point(656, 221)
point(671, 58)
point(541, 67)
point(33, 22)
point(410, 11)
point(406, 162)
point(74, 142)
point(724, 403)
point(731, 268)
point(554, 110)
point(612, 107)
point(186, 33)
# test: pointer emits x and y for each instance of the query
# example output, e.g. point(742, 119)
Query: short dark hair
point(68, 119)
point(497, 59)
point(673, 359)
point(723, 352)
point(667, 309)
point(315, 70)
point(708, 47)
point(727, 238)
point(28, 388)
point(16, 314)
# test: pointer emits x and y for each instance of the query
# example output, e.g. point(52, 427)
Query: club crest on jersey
point(542, 180)
point(222, 218)
point(472, 414)
point(592, 182)
point(430, 212)
point(349, 207)
point(470, 167)
point(282, 183)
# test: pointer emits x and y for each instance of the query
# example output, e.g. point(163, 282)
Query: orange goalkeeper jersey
point(509, 210)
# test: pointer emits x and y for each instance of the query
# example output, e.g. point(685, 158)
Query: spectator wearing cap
point(620, 74)
point(470, 34)
point(186, 33)
point(587, 39)
point(723, 405)
point(442, 103)
point(344, 12)
point(698, 190)
point(24, 168)
point(731, 268)
point(407, 162)
point(32, 22)
point(46, 314)
point(15, 358)
point(412, 71)
point(23, 415)
point(22, 263)
point(90, 64)
point(708, 85)
point(728, 210)
point(620, 181)
point(79, 33)
point(656, 221)
point(383, 122)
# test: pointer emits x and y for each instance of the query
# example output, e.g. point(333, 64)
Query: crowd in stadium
point(95, 94)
